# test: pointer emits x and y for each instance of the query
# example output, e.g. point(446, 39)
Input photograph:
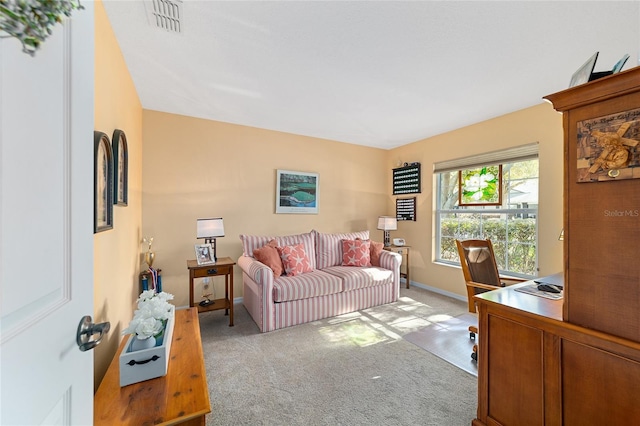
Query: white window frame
point(512, 155)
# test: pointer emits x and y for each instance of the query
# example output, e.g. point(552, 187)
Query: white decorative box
point(149, 363)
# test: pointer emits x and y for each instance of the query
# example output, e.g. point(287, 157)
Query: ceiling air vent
point(165, 14)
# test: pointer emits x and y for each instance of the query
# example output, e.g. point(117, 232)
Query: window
point(511, 227)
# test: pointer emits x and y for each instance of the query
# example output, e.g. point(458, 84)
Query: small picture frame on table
point(204, 254)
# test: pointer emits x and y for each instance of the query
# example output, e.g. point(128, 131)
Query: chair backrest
point(479, 265)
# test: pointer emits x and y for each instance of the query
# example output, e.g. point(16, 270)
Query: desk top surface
point(509, 297)
point(179, 396)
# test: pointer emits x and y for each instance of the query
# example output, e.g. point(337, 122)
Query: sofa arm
point(257, 281)
point(256, 270)
point(391, 260)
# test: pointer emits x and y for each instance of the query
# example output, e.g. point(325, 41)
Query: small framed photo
point(296, 192)
point(204, 254)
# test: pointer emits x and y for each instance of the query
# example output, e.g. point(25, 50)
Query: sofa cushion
point(329, 247)
point(294, 259)
point(376, 249)
point(311, 284)
point(356, 253)
point(252, 242)
point(268, 254)
point(354, 278)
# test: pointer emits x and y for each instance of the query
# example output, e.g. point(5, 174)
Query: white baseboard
point(439, 291)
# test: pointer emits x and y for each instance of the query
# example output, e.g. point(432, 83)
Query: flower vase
point(159, 338)
point(139, 344)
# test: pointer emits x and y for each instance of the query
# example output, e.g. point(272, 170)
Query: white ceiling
point(380, 74)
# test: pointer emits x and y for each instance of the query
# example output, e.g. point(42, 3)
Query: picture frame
point(121, 168)
point(406, 209)
point(204, 254)
point(102, 183)
point(583, 74)
point(297, 192)
point(480, 186)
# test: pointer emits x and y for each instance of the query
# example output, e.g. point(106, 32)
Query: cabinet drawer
point(211, 271)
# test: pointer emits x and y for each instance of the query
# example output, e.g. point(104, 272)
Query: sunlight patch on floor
point(358, 331)
point(439, 318)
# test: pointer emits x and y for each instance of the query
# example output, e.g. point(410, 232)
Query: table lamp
point(387, 223)
point(210, 229)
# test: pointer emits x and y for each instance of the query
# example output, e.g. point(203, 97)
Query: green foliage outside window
point(511, 227)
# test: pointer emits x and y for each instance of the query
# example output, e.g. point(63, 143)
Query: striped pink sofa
point(329, 290)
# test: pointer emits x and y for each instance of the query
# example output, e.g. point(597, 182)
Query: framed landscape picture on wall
point(296, 192)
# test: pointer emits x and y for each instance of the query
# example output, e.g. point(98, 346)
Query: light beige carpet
point(355, 369)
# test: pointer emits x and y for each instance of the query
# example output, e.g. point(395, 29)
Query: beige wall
point(194, 168)
point(183, 168)
point(536, 124)
point(117, 251)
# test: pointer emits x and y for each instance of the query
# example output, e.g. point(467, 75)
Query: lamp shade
point(387, 223)
point(209, 228)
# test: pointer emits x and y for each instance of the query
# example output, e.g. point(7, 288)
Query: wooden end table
point(223, 266)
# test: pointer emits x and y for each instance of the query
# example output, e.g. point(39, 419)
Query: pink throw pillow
point(294, 259)
point(356, 253)
point(268, 254)
point(376, 250)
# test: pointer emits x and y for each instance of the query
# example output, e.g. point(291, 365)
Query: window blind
point(510, 155)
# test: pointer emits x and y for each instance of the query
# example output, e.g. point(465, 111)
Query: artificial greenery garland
point(30, 21)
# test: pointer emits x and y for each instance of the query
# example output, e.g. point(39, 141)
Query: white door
point(46, 225)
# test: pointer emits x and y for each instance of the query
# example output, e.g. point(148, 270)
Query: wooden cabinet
point(602, 204)
point(534, 368)
point(576, 361)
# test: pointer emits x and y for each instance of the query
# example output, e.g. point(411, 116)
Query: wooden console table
point(180, 397)
point(223, 266)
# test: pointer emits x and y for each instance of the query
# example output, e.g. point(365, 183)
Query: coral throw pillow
point(376, 249)
point(294, 259)
point(269, 255)
point(356, 253)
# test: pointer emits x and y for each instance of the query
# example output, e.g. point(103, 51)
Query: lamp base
point(206, 302)
point(387, 239)
point(212, 241)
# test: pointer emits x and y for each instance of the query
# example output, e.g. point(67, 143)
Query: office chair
point(481, 274)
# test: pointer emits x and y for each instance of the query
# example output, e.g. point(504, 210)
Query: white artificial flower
point(152, 314)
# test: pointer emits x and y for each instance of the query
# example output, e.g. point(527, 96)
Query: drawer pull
point(212, 271)
point(134, 362)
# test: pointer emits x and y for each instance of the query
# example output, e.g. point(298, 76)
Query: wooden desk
point(180, 397)
point(224, 266)
point(536, 369)
point(404, 251)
